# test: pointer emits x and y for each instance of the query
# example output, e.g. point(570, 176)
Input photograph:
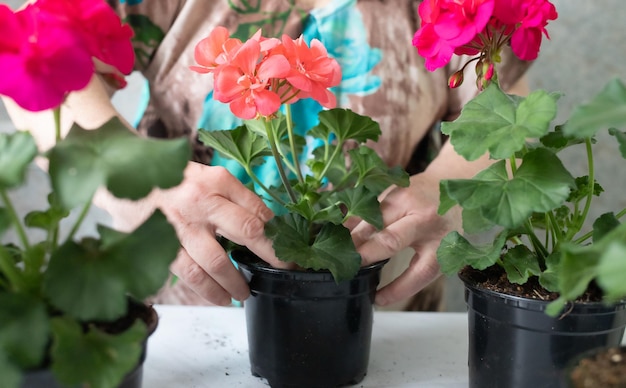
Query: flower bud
point(488, 72)
point(455, 79)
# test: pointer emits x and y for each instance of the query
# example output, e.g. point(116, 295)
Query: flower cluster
point(46, 49)
point(481, 26)
point(260, 75)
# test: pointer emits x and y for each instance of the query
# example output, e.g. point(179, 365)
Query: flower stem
point(258, 182)
point(14, 219)
point(56, 114)
point(292, 144)
point(283, 177)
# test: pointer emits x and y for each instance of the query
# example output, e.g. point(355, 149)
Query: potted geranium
point(70, 309)
point(537, 291)
point(310, 326)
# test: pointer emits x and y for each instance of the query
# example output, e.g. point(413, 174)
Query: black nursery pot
point(514, 343)
point(44, 378)
point(305, 330)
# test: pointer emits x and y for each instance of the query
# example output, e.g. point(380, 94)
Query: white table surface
point(207, 347)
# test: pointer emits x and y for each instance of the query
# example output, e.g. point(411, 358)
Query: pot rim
point(319, 275)
point(539, 304)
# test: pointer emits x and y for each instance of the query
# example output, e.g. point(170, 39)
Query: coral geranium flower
point(244, 82)
point(41, 59)
point(312, 70)
point(214, 50)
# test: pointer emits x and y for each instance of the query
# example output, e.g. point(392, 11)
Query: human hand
point(411, 220)
point(209, 202)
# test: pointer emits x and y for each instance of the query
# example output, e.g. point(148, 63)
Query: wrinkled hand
point(411, 220)
point(209, 202)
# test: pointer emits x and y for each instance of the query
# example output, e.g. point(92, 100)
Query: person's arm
point(209, 202)
point(411, 220)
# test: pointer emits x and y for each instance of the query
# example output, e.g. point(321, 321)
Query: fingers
point(206, 269)
point(421, 272)
point(379, 245)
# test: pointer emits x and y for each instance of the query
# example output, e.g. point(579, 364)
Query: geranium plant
point(260, 79)
point(59, 294)
point(535, 207)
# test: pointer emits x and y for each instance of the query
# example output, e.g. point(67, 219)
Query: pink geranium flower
point(244, 81)
point(215, 50)
point(41, 58)
point(312, 70)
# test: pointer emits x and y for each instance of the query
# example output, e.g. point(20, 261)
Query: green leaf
point(345, 124)
point(549, 278)
point(540, 184)
point(455, 253)
point(621, 139)
point(11, 374)
point(557, 141)
point(104, 272)
point(95, 358)
point(475, 222)
point(24, 329)
point(603, 225)
point(17, 151)
point(332, 249)
point(373, 173)
point(606, 109)
point(611, 270)
point(520, 264)
point(48, 219)
point(577, 269)
point(240, 144)
point(500, 124)
point(362, 203)
point(130, 166)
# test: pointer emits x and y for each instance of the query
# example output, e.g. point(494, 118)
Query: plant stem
point(56, 114)
point(257, 181)
point(542, 253)
point(78, 222)
point(15, 220)
point(592, 180)
point(283, 177)
point(590, 233)
point(292, 144)
point(337, 150)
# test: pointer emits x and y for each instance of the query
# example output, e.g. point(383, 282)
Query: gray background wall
point(587, 49)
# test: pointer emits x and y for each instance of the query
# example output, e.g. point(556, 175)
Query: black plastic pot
point(44, 378)
point(305, 330)
point(514, 343)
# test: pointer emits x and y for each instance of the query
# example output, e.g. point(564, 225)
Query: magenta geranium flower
point(41, 58)
point(448, 25)
point(480, 27)
point(100, 27)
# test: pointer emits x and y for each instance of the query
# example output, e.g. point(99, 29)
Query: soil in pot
point(305, 330)
point(514, 343)
point(604, 368)
point(44, 378)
